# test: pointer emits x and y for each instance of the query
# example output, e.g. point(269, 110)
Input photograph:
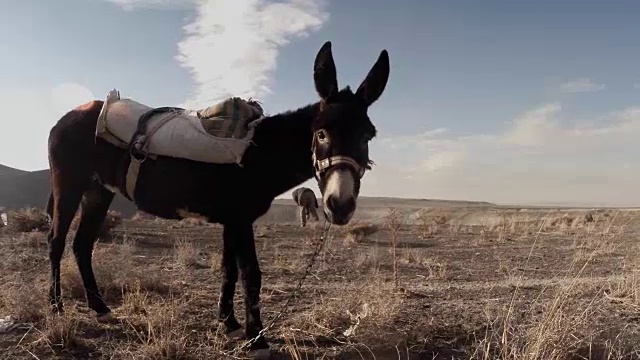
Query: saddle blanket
point(219, 134)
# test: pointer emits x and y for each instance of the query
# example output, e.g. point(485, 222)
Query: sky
point(512, 102)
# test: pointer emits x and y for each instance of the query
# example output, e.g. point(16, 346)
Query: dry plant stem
point(394, 225)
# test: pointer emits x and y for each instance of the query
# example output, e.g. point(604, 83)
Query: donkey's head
point(341, 133)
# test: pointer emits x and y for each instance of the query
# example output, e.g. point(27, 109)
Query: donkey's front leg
point(229, 278)
point(251, 277)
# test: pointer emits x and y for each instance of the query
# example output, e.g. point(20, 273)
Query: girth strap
point(138, 146)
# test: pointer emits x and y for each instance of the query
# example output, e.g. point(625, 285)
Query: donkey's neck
point(282, 152)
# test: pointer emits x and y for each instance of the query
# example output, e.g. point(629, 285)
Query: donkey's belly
point(173, 189)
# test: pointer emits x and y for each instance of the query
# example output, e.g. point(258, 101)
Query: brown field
point(453, 282)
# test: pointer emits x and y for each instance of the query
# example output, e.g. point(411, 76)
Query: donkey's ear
point(376, 80)
point(324, 72)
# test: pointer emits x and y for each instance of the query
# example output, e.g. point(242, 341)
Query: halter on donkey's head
point(341, 133)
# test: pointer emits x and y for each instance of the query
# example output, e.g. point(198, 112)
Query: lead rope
point(325, 230)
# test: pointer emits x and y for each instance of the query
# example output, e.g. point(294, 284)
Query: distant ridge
point(9, 171)
point(20, 188)
point(383, 201)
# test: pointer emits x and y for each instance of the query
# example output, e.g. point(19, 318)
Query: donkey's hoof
point(57, 310)
point(260, 354)
point(235, 334)
point(106, 318)
point(56, 307)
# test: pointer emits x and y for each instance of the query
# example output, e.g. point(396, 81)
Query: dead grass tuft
point(141, 215)
point(22, 303)
point(60, 332)
point(189, 222)
point(366, 314)
point(164, 335)
point(432, 221)
point(35, 239)
point(358, 232)
point(549, 329)
point(115, 272)
point(27, 220)
point(436, 268)
point(186, 253)
point(625, 291)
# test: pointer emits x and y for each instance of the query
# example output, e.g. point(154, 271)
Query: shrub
point(28, 220)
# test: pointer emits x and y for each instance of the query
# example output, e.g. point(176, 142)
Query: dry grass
point(186, 253)
point(162, 334)
point(115, 272)
point(34, 239)
point(393, 222)
point(363, 314)
point(111, 220)
point(554, 330)
point(359, 232)
point(21, 303)
point(436, 268)
point(60, 332)
point(27, 220)
point(432, 222)
point(560, 326)
point(572, 292)
point(189, 222)
point(141, 215)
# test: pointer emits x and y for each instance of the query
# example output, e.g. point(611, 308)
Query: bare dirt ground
point(464, 283)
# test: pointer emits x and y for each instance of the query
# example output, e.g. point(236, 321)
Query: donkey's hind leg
point(66, 196)
point(95, 204)
point(229, 267)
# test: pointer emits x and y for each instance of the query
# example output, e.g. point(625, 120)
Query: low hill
point(386, 202)
point(19, 188)
point(9, 171)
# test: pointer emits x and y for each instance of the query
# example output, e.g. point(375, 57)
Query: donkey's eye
point(322, 135)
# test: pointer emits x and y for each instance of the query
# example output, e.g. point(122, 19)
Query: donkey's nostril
point(332, 202)
point(349, 205)
point(341, 207)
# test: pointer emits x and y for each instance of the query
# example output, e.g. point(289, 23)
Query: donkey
point(327, 140)
point(306, 200)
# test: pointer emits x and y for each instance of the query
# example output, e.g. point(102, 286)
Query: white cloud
point(581, 85)
point(537, 158)
point(534, 126)
point(154, 4)
point(231, 47)
point(442, 160)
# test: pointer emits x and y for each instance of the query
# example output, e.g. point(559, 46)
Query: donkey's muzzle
point(339, 211)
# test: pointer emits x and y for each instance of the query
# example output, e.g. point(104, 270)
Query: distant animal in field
point(588, 217)
point(307, 203)
point(328, 140)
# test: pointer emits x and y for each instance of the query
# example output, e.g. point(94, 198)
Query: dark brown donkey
point(307, 203)
point(327, 139)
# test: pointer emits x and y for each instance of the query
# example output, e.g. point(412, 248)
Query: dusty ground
point(471, 284)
